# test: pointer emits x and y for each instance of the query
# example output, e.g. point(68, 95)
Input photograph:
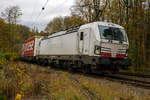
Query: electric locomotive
point(96, 46)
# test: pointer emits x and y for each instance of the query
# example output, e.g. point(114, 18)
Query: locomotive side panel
point(31, 47)
point(60, 45)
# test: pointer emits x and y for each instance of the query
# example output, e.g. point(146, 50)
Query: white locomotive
point(95, 46)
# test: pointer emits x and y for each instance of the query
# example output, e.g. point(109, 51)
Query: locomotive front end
point(113, 47)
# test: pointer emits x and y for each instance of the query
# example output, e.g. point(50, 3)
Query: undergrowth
point(19, 80)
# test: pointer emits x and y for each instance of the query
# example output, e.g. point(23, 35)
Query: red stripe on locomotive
point(106, 55)
point(120, 55)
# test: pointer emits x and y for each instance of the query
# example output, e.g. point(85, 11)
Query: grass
point(111, 91)
point(20, 80)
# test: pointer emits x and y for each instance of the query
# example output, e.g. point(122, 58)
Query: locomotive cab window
point(81, 36)
point(112, 33)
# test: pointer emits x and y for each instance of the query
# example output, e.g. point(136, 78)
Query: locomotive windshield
point(112, 33)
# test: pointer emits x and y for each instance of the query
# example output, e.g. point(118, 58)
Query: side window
point(81, 35)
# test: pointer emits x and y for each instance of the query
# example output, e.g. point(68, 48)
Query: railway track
point(134, 74)
point(141, 81)
point(138, 80)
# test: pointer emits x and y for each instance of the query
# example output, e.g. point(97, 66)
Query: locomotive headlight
point(97, 50)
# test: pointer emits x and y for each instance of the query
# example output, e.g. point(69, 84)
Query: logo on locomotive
point(29, 46)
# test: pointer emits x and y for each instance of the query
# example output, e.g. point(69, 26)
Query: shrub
point(8, 88)
point(11, 56)
point(2, 59)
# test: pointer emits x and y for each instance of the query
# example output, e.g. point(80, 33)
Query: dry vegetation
point(19, 80)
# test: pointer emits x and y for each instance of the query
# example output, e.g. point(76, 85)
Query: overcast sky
point(32, 8)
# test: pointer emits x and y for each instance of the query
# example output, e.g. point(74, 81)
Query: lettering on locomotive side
point(29, 47)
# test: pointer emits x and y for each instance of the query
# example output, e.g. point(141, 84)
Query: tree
point(90, 10)
point(12, 14)
point(72, 21)
point(4, 39)
point(24, 33)
point(63, 23)
point(55, 25)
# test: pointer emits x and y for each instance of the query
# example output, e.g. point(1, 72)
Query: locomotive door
point(84, 41)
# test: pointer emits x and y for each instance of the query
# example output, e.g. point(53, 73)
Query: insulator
point(43, 8)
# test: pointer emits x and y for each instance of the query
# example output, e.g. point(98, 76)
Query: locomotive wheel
point(39, 61)
point(86, 69)
point(115, 69)
point(70, 68)
point(53, 64)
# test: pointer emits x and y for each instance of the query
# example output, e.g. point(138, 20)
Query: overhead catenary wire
point(45, 5)
point(42, 9)
point(58, 7)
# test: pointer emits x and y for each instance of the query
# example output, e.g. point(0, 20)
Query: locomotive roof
point(36, 36)
point(83, 27)
point(101, 23)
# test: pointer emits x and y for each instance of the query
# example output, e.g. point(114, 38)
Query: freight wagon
point(96, 46)
point(29, 48)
